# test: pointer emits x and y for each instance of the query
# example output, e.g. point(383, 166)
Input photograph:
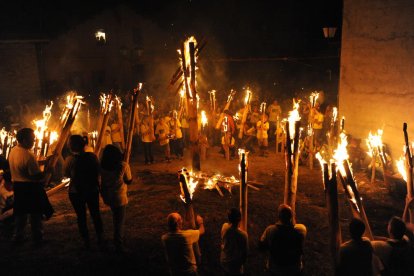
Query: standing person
point(115, 176)
point(355, 255)
point(147, 139)
point(116, 136)
point(284, 243)
point(177, 136)
point(162, 130)
point(178, 245)
point(234, 245)
point(28, 191)
point(317, 124)
point(83, 170)
point(254, 116)
point(275, 112)
point(262, 128)
point(228, 144)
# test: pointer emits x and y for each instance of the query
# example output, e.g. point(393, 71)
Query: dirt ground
point(155, 193)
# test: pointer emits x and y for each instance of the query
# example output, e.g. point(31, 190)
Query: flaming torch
point(246, 109)
point(375, 150)
point(68, 117)
point(243, 168)
point(312, 99)
point(292, 155)
point(188, 186)
point(405, 167)
point(132, 118)
point(106, 106)
point(230, 98)
point(203, 141)
point(331, 197)
point(212, 94)
point(118, 105)
point(8, 140)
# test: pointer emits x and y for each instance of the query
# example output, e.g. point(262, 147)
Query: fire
point(204, 120)
point(263, 107)
point(294, 116)
point(334, 114)
point(106, 103)
point(187, 58)
point(150, 104)
point(313, 98)
point(401, 167)
point(374, 142)
point(191, 183)
point(41, 132)
point(248, 96)
point(341, 153)
point(182, 93)
point(118, 102)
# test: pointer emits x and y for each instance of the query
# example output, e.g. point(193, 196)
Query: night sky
point(284, 36)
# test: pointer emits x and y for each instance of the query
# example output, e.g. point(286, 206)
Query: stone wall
point(377, 69)
point(19, 77)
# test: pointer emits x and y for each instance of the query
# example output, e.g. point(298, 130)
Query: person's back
point(234, 244)
point(179, 251)
point(84, 172)
point(284, 242)
point(355, 255)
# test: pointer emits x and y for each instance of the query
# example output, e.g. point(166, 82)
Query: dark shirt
point(83, 171)
point(355, 258)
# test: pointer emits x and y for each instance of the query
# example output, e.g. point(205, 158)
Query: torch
point(243, 168)
point(106, 109)
point(292, 156)
point(118, 105)
point(188, 185)
point(375, 150)
point(226, 107)
point(132, 118)
point(313, 99)
point(246, 109)
point(203, 137)
point(408, 215)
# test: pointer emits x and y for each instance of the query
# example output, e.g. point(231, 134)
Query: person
point(28, 191)
point(116, 135)
point(147, 139)
point(396, 252)
point(355, 256)
point(83, 170)
point(262, 128)
point(162, 131)
point(115, 176)
point(228, 145)
point(176, 135)
point(317, 124)
point(254, 115)
point(106, 140)
point(178, 245)
point(284, 243)
point(234, 245)
point(275, 112)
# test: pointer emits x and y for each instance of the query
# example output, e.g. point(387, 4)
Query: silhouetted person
point(178, 245)
point(83, 170)
point(396, 253)
point(26, 177)
point(115, 175)
point(355, 255)
point(284, 243)
point(234, 245)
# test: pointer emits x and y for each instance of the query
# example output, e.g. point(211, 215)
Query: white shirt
point(23, 165)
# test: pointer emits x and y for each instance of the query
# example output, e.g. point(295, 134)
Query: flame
point(210, 184)
point(294, 116)
point(263, 107)
point(374, 142)
point(334, 114)
point(204, 120)
point(191, 183)
point(182, 93)
point(248, 96)
point(341, 153)
point(320, 159)
point(187, 59)
point(230, 96)
point(401, 167)
point(118, 102)
point(150, 103)
point(41, 127)
point(313, 98)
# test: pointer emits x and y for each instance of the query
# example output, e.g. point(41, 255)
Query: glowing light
point(341, 153)
point(294, 116)
point(191, 184)
point(401, 167)
point(248, 96)
point(374, 143)
point(204, 120)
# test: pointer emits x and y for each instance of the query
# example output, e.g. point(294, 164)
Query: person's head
point(76, 143)
point(234, 216)
point(285, 214)
point(396, 228)
point(174, 222)
point(275, 102)
point(26, 137)
point(265, 117)
point(356, 228)
point(111, 158)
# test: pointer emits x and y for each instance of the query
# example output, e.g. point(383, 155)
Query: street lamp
point(100, 36)
point(329, 32)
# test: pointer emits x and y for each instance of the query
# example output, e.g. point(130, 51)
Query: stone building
point(377, 69)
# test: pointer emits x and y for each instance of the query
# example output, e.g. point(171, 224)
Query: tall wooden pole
point(331, 196)
point(193, 120)
point(120, 122)
point(243, 190)
point(132, 118)
point(408, 215)
point(189, 210)
point(105, 119)
point(292, 160)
